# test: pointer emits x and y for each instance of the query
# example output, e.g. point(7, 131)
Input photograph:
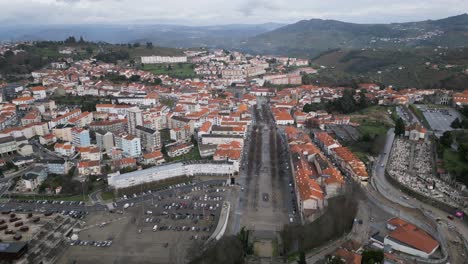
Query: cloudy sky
point(216, 12)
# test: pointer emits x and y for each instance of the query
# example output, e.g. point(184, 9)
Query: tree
point(456, 123)
point(134, 78)
point(136, 44)
point(89, 50)
point(243, 236)
point(346, 104)
point(81, 41)
point(157, 81)
point(363, 101)
point(333, 260)
point(446, 139)
point(302, 258)
point(149, 45)
point(399, 127)
point(70, 40)
point(372, 256)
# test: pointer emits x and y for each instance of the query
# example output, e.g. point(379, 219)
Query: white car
point(155, 228)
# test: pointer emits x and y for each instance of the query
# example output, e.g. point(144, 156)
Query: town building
point(150, 138)
point(80, 137)
point(104, 140)
point(410, 239)
point(135, 118)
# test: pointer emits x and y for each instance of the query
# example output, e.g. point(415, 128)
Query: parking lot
point(439, 119)
point(161, 228)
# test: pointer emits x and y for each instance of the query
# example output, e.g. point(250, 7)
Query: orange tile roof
point(205, 127)
point(412, 235)
point(88, 163)
point(38, 88)
point(348, 256)
point(283, 116)
point(232, 154)
point(153, 155)
point(325, 138)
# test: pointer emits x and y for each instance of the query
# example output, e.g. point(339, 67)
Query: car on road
point(265, 197)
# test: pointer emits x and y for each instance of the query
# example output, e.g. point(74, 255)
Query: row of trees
point(346, 104)
point(113, 56)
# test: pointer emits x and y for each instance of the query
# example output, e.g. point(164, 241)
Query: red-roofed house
point(89, 167)
point(326, 142)
point(155, 158)
point(283, 118)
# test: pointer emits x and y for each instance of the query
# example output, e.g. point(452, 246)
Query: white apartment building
point(163, 59)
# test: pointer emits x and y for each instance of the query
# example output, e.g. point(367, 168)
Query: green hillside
point(311, 37)
point(406, 67)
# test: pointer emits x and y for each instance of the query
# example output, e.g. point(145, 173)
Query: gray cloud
point(211, 12)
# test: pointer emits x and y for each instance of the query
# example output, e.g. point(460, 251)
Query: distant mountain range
point(304, 38)
point(160, 34)
point(311, 37)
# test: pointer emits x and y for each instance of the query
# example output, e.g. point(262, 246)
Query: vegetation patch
point(177, 70)
point(335, 222)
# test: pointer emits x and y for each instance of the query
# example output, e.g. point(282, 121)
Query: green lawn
point(373, 129)
point(108, 195)
point(179, 70)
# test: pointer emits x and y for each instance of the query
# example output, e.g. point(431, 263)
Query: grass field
point(108, 195)
point(454, 163)
point(373, 120)
point(178, 70)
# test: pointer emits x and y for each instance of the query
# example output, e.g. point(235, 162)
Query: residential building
point(153, 158)
point(109, 125)
point(150, 138)
point(130, 145)
point(104, 140)
point(63, 132)
point(180, 149)
point(39, 92)
point(34, 177)
point(64, 149)
point(124, 163)
point(135, 118)
point(80, 137)
point(163, 59)
point(89, 167)
point(56, 166)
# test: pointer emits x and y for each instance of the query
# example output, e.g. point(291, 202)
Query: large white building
point(171, 171)
point(163, 59)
